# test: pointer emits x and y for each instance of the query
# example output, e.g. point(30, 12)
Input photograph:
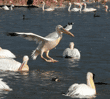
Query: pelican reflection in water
point(4, 86)
point(45, 43)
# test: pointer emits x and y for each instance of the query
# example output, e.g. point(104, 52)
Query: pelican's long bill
point(66, 32)
point(22, 66)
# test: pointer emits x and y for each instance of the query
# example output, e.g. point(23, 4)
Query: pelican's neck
point(11, 7)
point(90, 82)
point(80, 8)
point(71, 47)
point(43, 6)
point(85, 5)
point(59, 32)
point(24, 66)
point(69, 8)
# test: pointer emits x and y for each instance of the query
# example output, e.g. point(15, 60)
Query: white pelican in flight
point(4, 53)
point(74, 9)
point(71, 52)
point(88, 9)
point(48, 9)
point(83, 90)
point(4, 86)
point(13, 65)
point(45, 43)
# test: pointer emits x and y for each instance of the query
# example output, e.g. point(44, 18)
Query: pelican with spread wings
point(45, 43)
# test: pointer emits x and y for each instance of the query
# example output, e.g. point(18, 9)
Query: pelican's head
point(71, 45)
point(61, 30)
point(69, 3)
point(25, 58)
point(89, 74)
point(24, 66)
point(12, 5)
point(90, 81)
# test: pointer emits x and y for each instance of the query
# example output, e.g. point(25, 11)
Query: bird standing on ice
point(45, 43)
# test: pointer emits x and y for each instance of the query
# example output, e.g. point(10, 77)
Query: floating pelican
point(45, 43)
point(74, 9)
point(106, 8)
point(48, 9)
point(6, 8)
point(71, 52)
point(83, 90)
point(88, 9)
point(4, 86)
point(4, 53)
point(12, 65)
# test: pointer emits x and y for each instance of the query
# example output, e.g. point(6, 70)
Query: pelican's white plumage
point(4, 86)
point(4, 53)
point(83, 90)
point(13, 65)
point(74, 9)
point(7, 8)
point(71, 52)
point(88, 9)
point(45, 43)
point(48, 9)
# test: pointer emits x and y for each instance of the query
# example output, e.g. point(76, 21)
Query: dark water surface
point(92, 38)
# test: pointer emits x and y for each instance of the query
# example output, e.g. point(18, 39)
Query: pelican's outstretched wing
point(30, 36)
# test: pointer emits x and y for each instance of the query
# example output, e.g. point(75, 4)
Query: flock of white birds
point(7, 62)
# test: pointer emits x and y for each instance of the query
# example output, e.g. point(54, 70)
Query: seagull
point(8, 64)
point(48, 9)
point(4, 53)
point(45, 43)
point(4, 86)
point(83, 90)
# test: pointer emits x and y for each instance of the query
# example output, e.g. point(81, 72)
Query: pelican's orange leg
point(45, 58)
point(47, 55)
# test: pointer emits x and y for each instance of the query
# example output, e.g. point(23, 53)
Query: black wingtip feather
point(12, 34)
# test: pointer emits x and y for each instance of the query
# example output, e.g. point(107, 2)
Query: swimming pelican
point(4, 86)
point(71, 52)
point(88, 9)
point(106, 8)
point(6, 8)
point(4, 53)
point(45, 43)
point(74, 9)
point(48, 9)
point(13, 65)
point(83, 90)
